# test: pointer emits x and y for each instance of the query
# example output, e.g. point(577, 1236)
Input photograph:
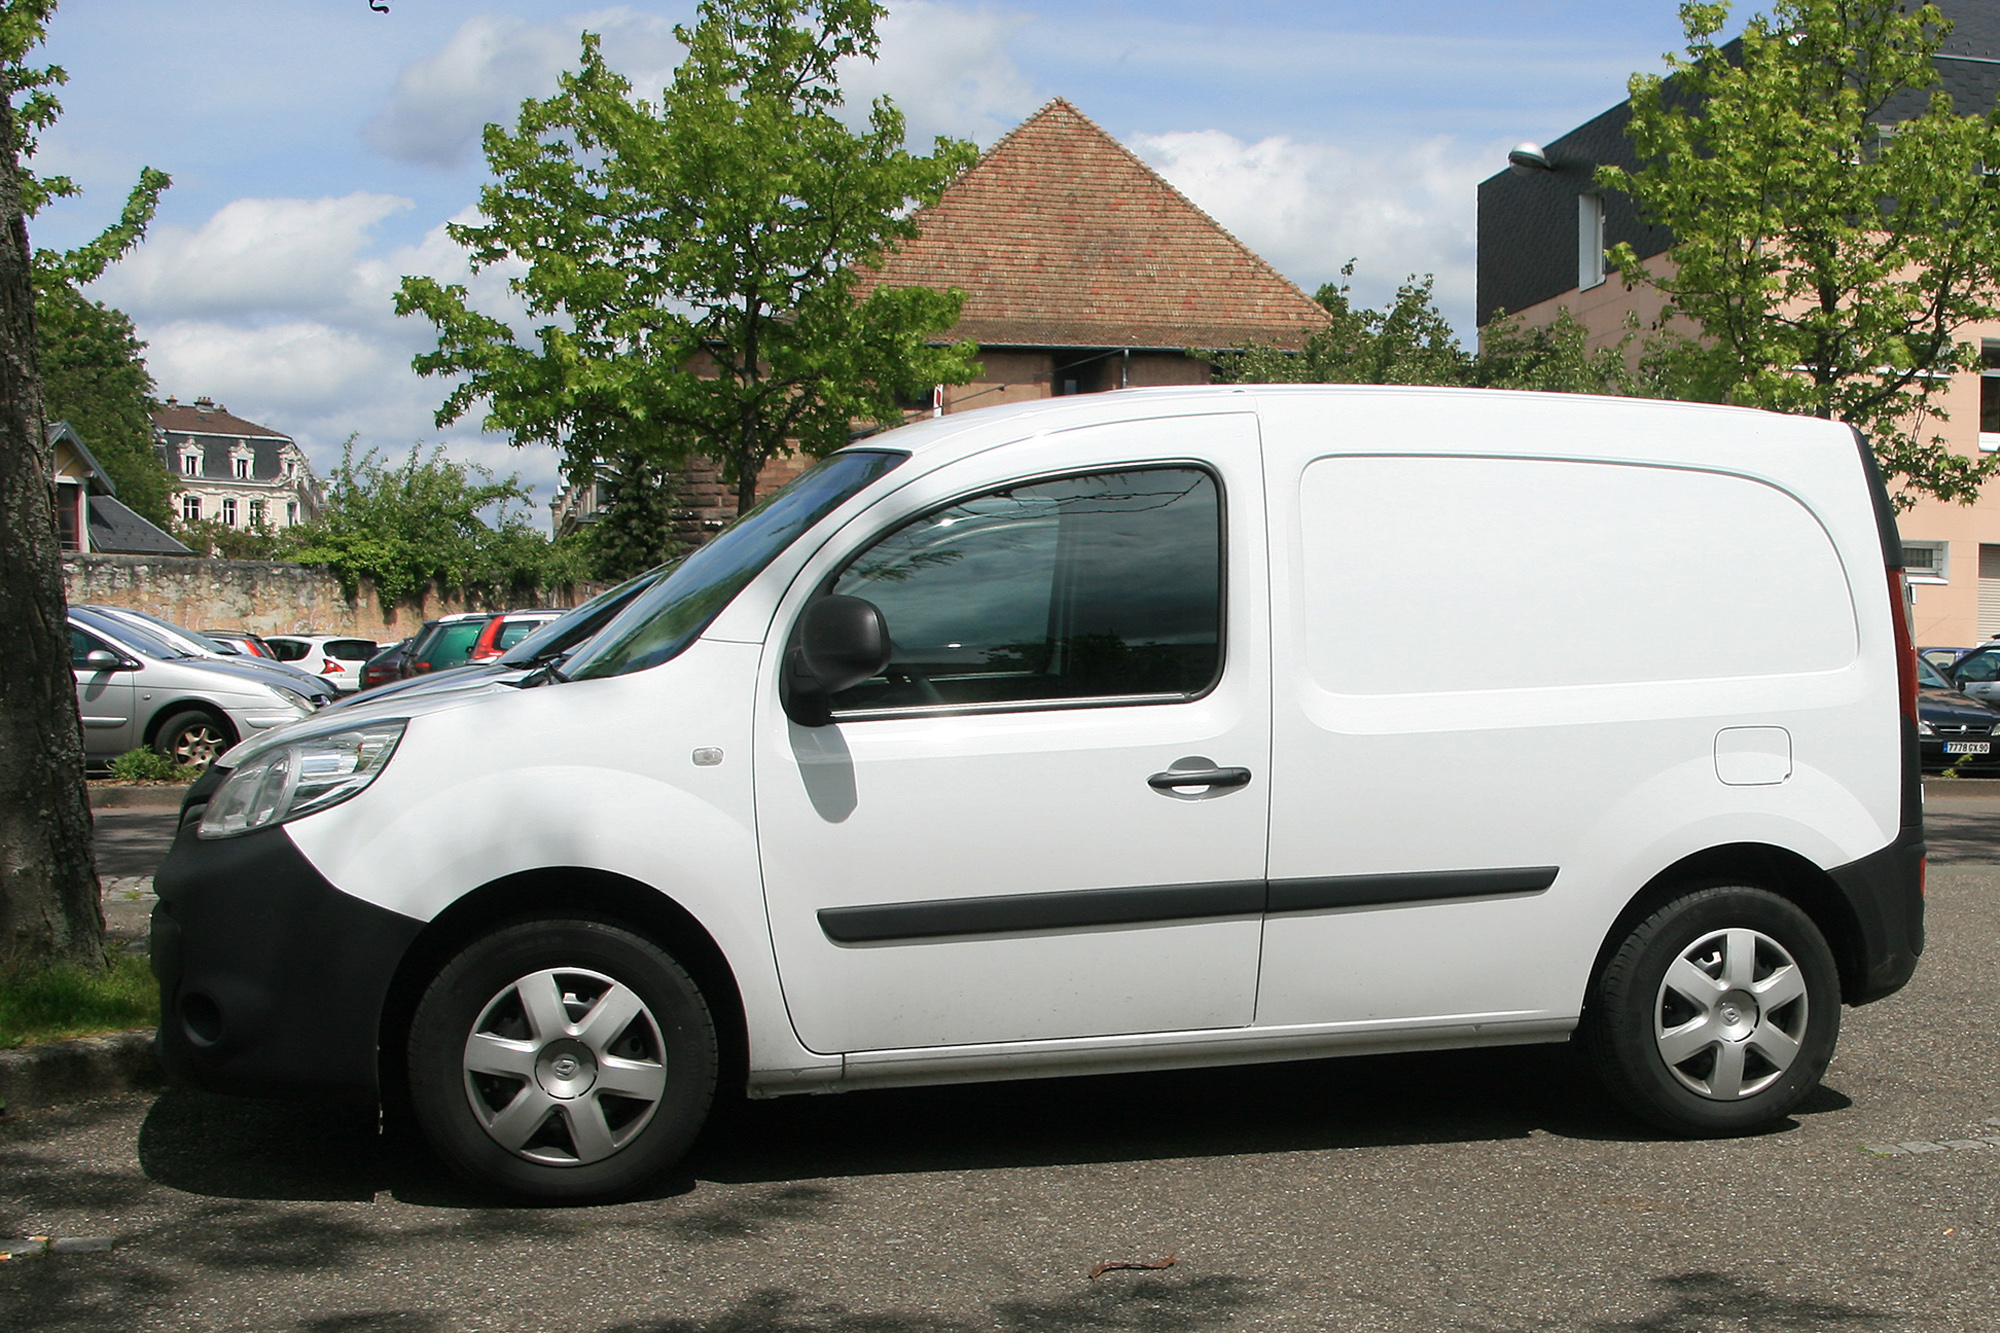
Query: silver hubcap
point(565, 1067)
point(1731, 1014)
point(198, 744)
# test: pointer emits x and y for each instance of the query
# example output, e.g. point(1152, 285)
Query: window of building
point(190, 465)
point(191, 509)
point(1927, 562)
point(1589, 240)
point(256, 513)
point(68, 500)
point(1083, 590)
point(229, 511)
point(242, 467)
point(291, 511)
point(1989, 397)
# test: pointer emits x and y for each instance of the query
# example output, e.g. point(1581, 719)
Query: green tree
point(1408, 342)
point(94, 376)
point(694, 263)
point(634, 530)
point(409, 527)
point(1556, 357)
point(93, 365)
point(1835, 227)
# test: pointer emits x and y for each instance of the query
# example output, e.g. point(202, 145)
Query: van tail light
point(482, 654)
point(1906, 648)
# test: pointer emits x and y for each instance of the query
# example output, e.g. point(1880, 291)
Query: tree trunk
point(49, 905)
point(746, 485)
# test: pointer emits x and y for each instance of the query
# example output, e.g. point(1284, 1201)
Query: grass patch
point(51, 1003)
point(145, 766)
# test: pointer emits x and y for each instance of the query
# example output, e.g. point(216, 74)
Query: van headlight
point(311, 773)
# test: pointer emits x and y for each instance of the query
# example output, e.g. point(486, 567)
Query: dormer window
point(242, 467)
point(190, 465)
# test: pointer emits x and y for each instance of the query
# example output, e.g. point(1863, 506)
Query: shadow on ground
point(243, 1149)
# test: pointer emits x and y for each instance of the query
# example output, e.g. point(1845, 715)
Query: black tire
point(1748, 1054)
point(588, 1144)
point(194, 737)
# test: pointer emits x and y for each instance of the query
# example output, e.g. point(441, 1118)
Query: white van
point(1139, 730)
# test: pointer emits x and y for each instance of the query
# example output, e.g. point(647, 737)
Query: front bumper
point(271, 980)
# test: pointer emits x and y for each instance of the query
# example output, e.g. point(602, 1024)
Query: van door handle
point(1198, 777)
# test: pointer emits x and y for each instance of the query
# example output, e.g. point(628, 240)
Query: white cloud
point(252, 255)
point(278, 309)
point(492, 64)
point(947, 67)
point(1309, 207)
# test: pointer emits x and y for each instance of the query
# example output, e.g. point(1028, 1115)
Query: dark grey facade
point(1528, 223)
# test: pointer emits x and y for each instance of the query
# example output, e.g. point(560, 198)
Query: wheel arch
point(1761, 866)
point(176, 707)
point(569, 890)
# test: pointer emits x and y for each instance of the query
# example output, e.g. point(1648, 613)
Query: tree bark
point(49, 905)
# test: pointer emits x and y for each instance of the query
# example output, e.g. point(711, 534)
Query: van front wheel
point(1718, 1014)
point(565, 1060)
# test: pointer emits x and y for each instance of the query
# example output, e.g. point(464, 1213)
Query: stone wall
point(267, 597)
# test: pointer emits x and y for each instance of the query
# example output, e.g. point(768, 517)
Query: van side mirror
point(841, 641)
point(103, 659)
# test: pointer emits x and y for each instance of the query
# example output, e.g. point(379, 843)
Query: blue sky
point(317, 149)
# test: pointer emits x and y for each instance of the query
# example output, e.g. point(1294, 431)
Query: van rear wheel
point(565, 1060)
point(1718, 1014)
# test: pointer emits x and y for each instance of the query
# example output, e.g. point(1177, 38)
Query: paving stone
point(81, 1244)
point(1885, 1149)
point(1965, 1143)
point(1921, 1145)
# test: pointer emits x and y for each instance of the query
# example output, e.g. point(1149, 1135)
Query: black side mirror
point(103, 659)
point(841, 641)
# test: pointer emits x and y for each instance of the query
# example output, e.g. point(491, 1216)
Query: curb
point(34, 1078)
point(1948, 787)
point(140, 798)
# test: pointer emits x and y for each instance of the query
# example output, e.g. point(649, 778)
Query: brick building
point(1083, 271)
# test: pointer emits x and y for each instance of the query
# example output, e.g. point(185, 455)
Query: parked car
point(242, 640)
point(386, 666)
point(1080, 736)
point(544, 648)
point(136, 690)
point(336, 658)
point(188, 641)
point(506, 630)
point(1954, 730)
point(445, 642)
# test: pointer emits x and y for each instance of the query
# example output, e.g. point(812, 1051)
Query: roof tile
point(1060, 236)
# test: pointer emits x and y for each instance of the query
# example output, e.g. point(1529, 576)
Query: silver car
point(135, 689)
point(282, 673)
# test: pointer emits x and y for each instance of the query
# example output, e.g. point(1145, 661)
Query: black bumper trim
point(272, 981)
point(1885, 892)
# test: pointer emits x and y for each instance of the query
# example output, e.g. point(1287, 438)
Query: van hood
point(330, 721)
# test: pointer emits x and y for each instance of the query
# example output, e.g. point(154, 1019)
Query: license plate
point(1968, 747)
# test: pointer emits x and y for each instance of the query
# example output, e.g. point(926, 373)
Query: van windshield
point(668, 616)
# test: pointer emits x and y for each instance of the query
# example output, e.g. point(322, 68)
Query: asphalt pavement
point(1491, 1190)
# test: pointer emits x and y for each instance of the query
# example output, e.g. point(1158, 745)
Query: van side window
point(1088, 588)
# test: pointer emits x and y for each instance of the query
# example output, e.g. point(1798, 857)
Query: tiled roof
point(204, 417)
point(1060, 237)
point(116, 530)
